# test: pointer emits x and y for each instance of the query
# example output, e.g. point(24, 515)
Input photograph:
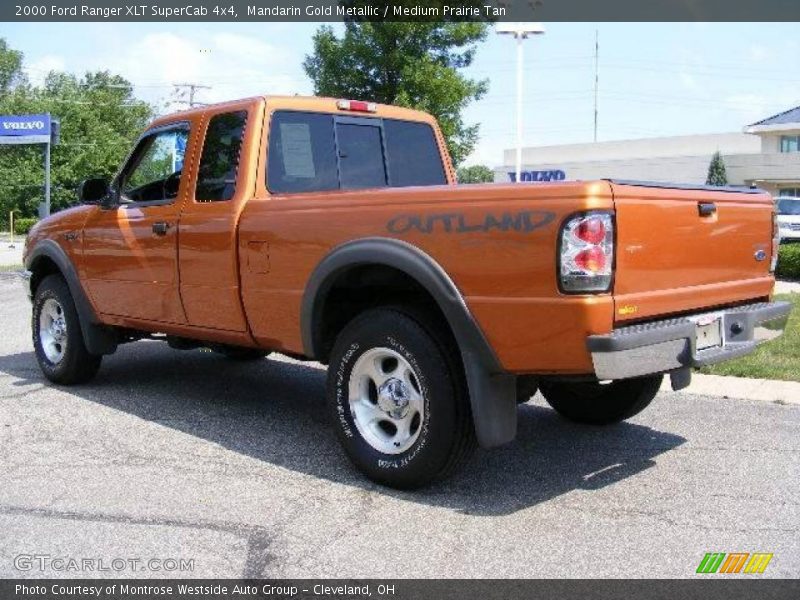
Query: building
point(766, 154)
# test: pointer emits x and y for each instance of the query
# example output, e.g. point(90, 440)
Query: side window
point(154, 171)
point(360, 156)
point(219, 163)
point(302, 153)
point(413, 154)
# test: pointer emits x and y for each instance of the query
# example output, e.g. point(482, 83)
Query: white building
point(766, 154)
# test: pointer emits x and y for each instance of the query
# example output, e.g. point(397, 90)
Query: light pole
point(520, 31)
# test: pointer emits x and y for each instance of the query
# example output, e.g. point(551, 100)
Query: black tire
point(444, 430)
point(238, 353)
point(601, 404)
point(76, 364)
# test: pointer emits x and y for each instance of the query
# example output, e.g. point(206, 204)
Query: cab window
point(154, 171)
point(219, 163)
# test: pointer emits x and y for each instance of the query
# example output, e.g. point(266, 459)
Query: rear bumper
point(661, 346)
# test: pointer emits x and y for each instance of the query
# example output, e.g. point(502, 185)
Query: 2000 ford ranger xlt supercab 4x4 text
point(333, 230)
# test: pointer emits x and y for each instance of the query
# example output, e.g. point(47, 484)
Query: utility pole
point(596, 76)
point(191, 89)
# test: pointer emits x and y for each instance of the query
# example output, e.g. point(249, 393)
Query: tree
point(100, 120)
point(11, 73)
point(408, 64)
point(475, 174)
point(717, 175)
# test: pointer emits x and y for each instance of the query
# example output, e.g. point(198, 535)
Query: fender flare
point(492, 391)
point(98, 338)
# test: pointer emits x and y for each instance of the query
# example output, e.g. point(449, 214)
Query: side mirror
point(94, 191)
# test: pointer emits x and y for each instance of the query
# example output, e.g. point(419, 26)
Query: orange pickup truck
point(334, 230)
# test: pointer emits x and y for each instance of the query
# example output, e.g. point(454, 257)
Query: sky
point(655, 79)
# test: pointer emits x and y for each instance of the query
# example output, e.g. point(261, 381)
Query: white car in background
point(788, 218)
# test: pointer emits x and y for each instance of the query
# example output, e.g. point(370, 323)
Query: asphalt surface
point(185, 455)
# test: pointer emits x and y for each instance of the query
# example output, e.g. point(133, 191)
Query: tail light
point(776, 241)
point(586, 256)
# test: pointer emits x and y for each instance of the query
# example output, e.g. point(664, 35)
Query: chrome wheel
point(53, 330)
point(386, 400)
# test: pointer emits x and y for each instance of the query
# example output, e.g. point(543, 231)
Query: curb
point(742, 388)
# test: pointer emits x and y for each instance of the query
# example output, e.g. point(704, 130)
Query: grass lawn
point(778, 359)
point(7, 268)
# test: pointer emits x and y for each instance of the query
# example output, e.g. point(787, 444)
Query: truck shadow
point(274, 411)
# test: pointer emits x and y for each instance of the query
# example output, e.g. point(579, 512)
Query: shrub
point(23, 225)
point(788, 262)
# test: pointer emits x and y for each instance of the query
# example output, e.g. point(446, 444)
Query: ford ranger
point(335, 231)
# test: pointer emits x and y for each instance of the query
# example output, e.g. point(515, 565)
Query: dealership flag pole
point(520, 31)
point(47, 173)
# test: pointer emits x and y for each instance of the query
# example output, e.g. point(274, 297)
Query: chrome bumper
point(668, 345)
point(25, 279)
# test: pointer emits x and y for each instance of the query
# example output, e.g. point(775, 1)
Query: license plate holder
point(708, 331)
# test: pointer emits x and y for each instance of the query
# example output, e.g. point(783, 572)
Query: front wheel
point(57, 338)
point(601, 403)
point(398, 400)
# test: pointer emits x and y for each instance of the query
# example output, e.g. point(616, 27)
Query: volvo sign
point(25, 129)
point(551, 175)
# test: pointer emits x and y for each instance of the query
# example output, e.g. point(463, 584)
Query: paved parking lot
point(173, 454)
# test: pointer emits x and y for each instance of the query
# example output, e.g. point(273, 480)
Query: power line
point(191, 90)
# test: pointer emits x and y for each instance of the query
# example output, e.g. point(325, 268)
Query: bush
point(788, 262)
point(23, 225)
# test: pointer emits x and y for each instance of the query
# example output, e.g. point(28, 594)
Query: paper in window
point(298, 160)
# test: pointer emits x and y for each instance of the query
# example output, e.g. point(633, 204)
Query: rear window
point(310, 152)
point(219, 163)
point(789, 207)
point(414, 157)
point(361, 162)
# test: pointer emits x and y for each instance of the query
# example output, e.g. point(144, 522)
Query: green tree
point(100, 120)
point(717, 175)
point(11, 73)
point(409, 64)
point(475, 174)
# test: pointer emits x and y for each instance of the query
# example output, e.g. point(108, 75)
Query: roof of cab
point(305, 103)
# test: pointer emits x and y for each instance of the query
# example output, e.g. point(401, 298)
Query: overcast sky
point(655, 79)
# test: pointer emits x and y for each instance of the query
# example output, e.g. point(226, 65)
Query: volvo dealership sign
point(551, 175)
point(25, 129)
point(33, 129)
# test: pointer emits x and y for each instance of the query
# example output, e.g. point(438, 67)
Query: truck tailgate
point(689, 249)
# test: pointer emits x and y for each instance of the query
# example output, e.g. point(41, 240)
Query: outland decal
point(524, 221)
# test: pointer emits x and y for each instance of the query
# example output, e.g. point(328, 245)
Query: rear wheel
point(57, 337)
point(397, 399)
point(601, 403)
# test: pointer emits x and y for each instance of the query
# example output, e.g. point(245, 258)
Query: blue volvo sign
point(24, 129)
point(551, 175)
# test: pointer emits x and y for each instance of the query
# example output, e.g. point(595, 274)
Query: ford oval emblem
point(760, 255)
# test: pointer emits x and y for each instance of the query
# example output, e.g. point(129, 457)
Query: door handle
point(160, 227)
point(706, 209)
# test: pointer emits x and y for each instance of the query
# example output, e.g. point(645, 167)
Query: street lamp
point(520, 31)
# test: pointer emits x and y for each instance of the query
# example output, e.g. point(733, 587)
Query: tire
point(238, 353)
point(57, 338)
point(601, 404)
point(398, 400)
